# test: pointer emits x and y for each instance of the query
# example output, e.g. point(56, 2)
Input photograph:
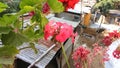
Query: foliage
point(7, 20)
point(116, 0)
point(13, 6)
point(56, 6)
point(7, 54)
point(104, 6)
point(13, 33)
point(2, 7)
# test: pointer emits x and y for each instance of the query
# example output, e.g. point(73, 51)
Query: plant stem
point(24, 48)
point(22, 22)
point(66, 59)
point(85, 66)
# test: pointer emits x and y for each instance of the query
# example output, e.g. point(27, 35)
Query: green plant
point(104, 6)
point(13, 6)
point(12, 32)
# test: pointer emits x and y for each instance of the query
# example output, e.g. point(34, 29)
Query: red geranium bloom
point(107, 40)
point(50, 29)
point(62, 36)
point(65, 32)
point(59, 31)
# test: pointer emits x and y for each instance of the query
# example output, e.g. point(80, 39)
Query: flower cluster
point(69, 3)
point(80, 55)
point(115, 34)
point(83, 57)
point(107, 40)
point(116, 53)
point(97, 49)
point(60, 32)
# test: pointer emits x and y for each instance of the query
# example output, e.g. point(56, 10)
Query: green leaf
point(39, 33)
point(28, 3)
point(44, 21)
point(2, 7)
point(17, 24)
point(8, 51)
point(15, 39)
point(5, 30)
point(7, 60)
point(7, 54)
point(32, 34)
point(104, 6)
point(0, 36)
point(7, 20)
point(36, 17)
point(26, 9)
point(41, 20)
point(56, 6)
point(0, 65)
point(29, 33)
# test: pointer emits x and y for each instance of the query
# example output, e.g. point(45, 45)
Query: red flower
point(50, 29)
point(59, 31)
point(69, 3)
point(79, 56)
point(114, 34)
point(62, 1)
point(62, 36)
point(105, 54)
point(107, 40)
point(81, 53)
point(65, 32)
point(31, 13)
point(45, 8)
point(78, 65)
point(116, 54)
point(96, 50)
